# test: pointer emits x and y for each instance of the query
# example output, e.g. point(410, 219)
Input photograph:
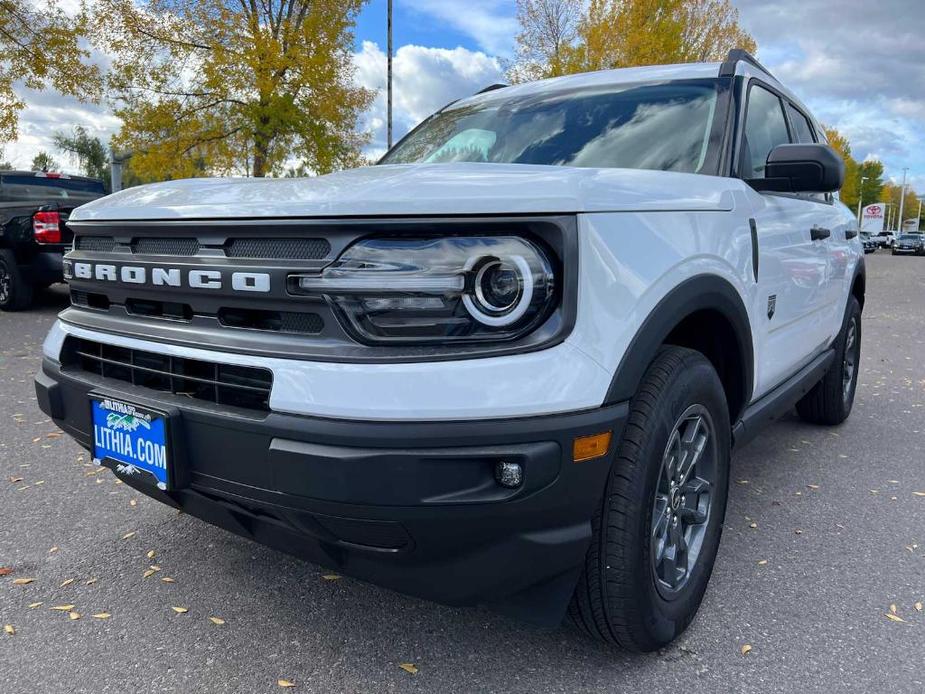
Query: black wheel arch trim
point(701, 292)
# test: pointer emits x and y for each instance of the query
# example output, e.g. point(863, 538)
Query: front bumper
point(412, 506)
point(907, 251)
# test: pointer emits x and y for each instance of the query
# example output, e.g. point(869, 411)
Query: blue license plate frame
point(132, 440)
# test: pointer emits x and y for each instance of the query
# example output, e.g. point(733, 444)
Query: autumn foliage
point(561, 37)
point(222, 86)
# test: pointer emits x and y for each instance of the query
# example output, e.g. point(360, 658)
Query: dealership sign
point(872, 218)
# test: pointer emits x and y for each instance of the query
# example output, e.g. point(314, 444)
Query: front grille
point(276, 321)
point(279, 249)
point(175, 246)
point(249, 248)
point(100, 244)
point(223, 384)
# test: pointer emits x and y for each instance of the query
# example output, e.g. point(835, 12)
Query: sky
point(858, 65)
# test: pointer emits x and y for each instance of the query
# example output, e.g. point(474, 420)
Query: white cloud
point(424, 80)
point(490, 23)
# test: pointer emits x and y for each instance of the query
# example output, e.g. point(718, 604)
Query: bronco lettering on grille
point(166, 276)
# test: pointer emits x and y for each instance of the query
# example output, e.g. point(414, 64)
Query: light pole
point(918, 219)
point(860, 196)
point(389, 117)
point(902, 199)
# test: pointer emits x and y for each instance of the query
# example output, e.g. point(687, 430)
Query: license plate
point(131, 439)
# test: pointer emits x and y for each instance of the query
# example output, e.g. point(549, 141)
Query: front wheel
point(830, 401)
point(656, 533)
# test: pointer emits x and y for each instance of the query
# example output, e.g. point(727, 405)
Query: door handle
point(851, 233)
point(819, 233)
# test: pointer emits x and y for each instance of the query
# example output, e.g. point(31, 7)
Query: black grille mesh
point(309, 323)
point(281, 249)
point(100, 244)
point(154, 246)
point(224, 384)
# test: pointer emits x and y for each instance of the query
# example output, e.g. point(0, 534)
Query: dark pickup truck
point(34, 207)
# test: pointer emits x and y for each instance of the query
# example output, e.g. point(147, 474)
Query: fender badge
point(772, 305)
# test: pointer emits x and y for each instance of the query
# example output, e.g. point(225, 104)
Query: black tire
point(619, 598)
point(15, 292)
point(830, 401)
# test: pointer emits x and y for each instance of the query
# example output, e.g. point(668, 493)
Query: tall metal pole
point(918, 219)
point(390, 77)
point(902, 199)
point(860, 195)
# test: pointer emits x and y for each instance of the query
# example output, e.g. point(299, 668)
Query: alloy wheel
point(683, 500)
point(850, 365)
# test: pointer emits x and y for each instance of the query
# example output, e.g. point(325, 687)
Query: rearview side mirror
point(806, 168)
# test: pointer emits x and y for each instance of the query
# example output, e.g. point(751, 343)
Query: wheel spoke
point(695, 487)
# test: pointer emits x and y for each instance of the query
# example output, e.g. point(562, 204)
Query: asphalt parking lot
point(824, 533)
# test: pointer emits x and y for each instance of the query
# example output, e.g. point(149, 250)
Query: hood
point(418, 189)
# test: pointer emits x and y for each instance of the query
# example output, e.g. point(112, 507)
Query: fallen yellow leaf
point(746, 649)
point(148, 573)
point(33, 605)
point(285, 684)
point(895, 617)
point(331, 577)
point(8, 628)
point(66, 583)
point(762, 562)
point(150, 554)
point(154, 567)
point(893, 608)
point(918, 607)
point(62, 608)
point(90, 582)
point(167, 579)
point(53, 549)
point(752, 525)
point(14, 480)
point(133, 502)
point(217, 620)
point(919, 493)
point(180, 610)
point(408, 667)
point(73, 615)
point(813, 486)
point(22, 581)
point(128, 535)
point(102, 615)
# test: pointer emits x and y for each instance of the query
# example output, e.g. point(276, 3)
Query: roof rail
point(736, 56)
point(492, 87)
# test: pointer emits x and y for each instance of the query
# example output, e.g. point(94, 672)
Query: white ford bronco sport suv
point(506, 366)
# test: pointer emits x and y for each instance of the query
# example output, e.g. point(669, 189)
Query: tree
point(90, 153)
point(232, 86)
point(43, 162)
point(891, 194)
point(849, 190)
point(547, 29)
point(626, 33)
point(871, 188)
point(42, 49)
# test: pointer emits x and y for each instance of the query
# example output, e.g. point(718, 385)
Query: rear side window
point(802, 130)
point(765, 128)
point(23, 187)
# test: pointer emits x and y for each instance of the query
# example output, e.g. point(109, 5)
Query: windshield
point(910, 237)
point(638, 126)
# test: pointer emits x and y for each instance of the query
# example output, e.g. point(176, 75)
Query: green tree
point(6, 166)
point(40, 46)
point(224, 86)
point(91, 154)
point(871, 188)
point(43, 161)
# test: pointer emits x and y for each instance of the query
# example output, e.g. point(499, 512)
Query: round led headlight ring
point(502, 290)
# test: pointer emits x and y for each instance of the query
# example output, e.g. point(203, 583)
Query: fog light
point(510, 475)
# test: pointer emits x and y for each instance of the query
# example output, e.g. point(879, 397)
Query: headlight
point(447, 289)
